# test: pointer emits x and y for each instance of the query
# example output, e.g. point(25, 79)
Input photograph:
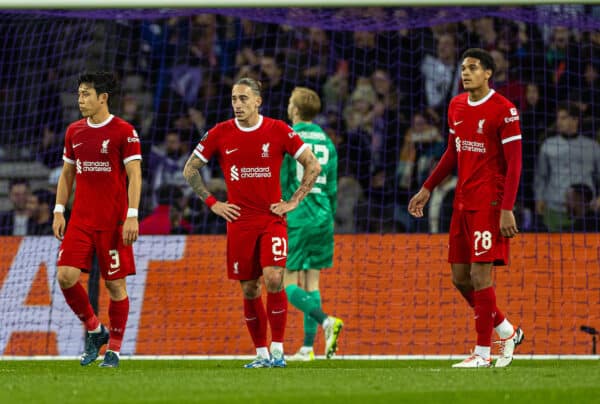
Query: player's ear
point(103, 98)
point(258, 101)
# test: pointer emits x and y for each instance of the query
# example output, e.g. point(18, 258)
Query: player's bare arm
point(418, 202)
point(312, 169)
point(63, 192)
point(131, 228)
point(227, 211)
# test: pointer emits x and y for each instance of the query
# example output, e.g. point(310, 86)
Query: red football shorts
point(475, 237)
point(114, 258)
point(254, 246)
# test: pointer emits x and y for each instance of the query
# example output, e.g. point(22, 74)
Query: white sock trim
point(483, 351)
point(262, 352)
point(505, 329)
point(277, 346)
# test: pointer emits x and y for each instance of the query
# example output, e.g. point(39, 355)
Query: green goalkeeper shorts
point(310, 247)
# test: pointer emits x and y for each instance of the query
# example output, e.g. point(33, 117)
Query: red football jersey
point(477, 131)
point(250, 159)
point(99, 153)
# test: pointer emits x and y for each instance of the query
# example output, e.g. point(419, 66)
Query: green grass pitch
point(321, 381)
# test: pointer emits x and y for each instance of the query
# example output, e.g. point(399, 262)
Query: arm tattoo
point(193, 177)
point(312, 169)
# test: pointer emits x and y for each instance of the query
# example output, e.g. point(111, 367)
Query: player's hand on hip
point(508, 224)
point(283, 207)
point(131, 230)
point(418, 202)
point(58, 226)
point(227, 211)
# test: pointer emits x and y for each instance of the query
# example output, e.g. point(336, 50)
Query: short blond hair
point(307, 101)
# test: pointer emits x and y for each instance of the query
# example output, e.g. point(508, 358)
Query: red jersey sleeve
point(293, 144)
point(509, 127)
point(511, 139)
point(130, 145)
point(68, 154)
point(207, 145)
point(449, 158)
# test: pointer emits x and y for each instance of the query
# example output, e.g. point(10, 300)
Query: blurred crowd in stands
point(384, 97)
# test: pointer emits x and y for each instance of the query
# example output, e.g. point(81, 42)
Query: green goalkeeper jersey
point(319, 206)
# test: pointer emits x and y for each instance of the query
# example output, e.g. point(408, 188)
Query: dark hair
point(44, 196)
point(486, 60)
point(255, 85)
point(584, 190)
point(101, 81)
point(18, 181)
point(571, 109)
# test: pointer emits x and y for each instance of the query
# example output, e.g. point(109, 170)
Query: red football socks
point(256, 321)
point(117, 313)
point(470, 298)
point(277, 305)
point(78, 300)
point(485, 306)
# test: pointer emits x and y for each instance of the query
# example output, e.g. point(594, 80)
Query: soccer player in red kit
point(485, 144)
point(250, 149)
point(102, 152)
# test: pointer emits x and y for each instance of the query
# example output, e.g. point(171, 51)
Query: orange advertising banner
point(394, 293)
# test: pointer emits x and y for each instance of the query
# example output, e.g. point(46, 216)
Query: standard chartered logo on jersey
point(92, 166)
point(469, 145)
point(236, 173)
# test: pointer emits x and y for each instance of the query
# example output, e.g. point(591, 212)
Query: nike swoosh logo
point(114, 272)
point(457, 123)
point(279, 258)
point(230, 151)
point(250, 319)
point(478, 253)
point(277, 311)
point(77, 145)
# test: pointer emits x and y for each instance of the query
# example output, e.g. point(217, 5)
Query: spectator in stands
point(486, 32)
point(40, 204)
point(337, 87)
point(589, 99)
point(396, 107)
point(309, 59)
point(166, 217)
point(15, 221)
point(274, 86)
point(166, 164)
point(509, 87)
point(534, 122)
point(131, 112)
point(441, 75)
point(363, 56)
point(579, 208)
point(422, 148)
point(49, 147)
point(565, 159)
point(562, 64)
point(350, 197)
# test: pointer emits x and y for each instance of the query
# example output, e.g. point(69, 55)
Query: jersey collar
point(250, 129)
point(101, 124)
point(481, 101)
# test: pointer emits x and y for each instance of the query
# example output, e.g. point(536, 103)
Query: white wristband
point(131, 212)
point(59, 208)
